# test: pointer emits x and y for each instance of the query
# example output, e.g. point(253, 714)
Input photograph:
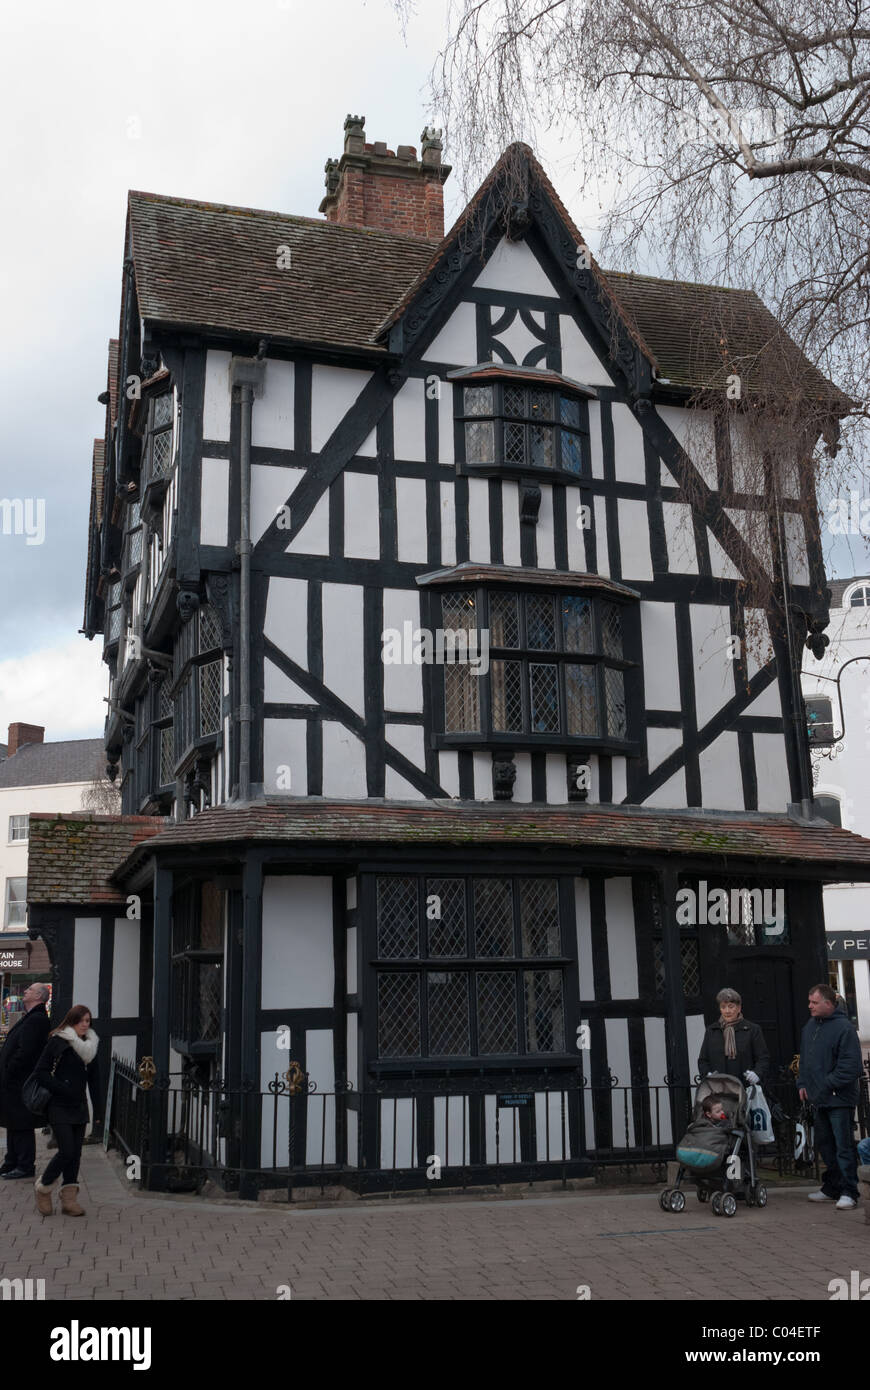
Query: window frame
point(191, 656)
point(500, 466)
point(9, 925)
point(424, 964)
point(487, 737)
point(19, 839)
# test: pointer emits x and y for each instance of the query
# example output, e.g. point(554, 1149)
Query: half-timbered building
point(419, 581)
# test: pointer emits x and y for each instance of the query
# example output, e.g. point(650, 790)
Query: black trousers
point(21, 1149)
point(69, 1152)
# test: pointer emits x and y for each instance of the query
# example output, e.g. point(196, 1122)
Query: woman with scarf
point(63, 1070)
point(734, 1046)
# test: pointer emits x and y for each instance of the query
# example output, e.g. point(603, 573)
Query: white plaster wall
point(333, 392)
point(478, 520)
point(446, 452)
point(510, 507)
point(714, 669)
point(553, 1142)
point(285, 746)
point(671, 794)
point(621, 945)
point(657, 1069)
point(297, 969)
point(452, 1130)
point(409, 421)
point(320, 1065)
point(343, 657)
point(397, 1133)
point(344, 762)
point(579, 360)
point(513, 266)
point(721, 782)
point(596, 447)
point(771, 771)
point(796, 548)
point(482, 763)
point(600, 513)
point(557, 780)
point(518, 339)
point(124, 1046)
point(279, 689)
point(448, 772)
point(755, 534)
point(660, 670)
point(313, 537)
point(362, 540)
point(272, 418)
point(627, 445)
point(286, 622)
point(411, 519)
point(693, 430)
point(721, 565)
point(86, 961)
point(456, 344)
point(584, 938)
point(505, 1146)
point(403, 682)
point(216, 400)
point(125, 969)
point(448, 524)
point(214, 501)
point(660, 744)
point(545, 530)
point(576, 531)
point(618, 1060)
point(351, 960)
point(271, 487)
point(695, 1030)
point(680, 538)
point(634, 540)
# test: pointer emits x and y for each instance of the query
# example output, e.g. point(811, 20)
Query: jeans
point(69, 1152)
point(864, 1151)
point(836, 1144)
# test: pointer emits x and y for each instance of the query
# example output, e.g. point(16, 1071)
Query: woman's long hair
point(75, 1015)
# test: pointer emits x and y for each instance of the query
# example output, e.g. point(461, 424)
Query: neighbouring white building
point(837, 696)
point(34, 776)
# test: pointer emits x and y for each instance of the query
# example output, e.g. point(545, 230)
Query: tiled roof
point(47, 764)
point(4, 749)
point(216, 266)
point(71, 857)
point(703, 333)
point(777, 839)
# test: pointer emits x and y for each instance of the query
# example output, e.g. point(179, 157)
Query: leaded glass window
point(557, 665)
point(469, 966)
point(517, 425)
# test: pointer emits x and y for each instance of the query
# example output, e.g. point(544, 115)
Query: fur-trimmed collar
point(86, 1047)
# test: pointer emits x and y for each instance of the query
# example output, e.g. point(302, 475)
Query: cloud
point(60, 687)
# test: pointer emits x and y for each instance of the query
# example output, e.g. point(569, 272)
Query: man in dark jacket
point(830, 1070)
point(18, 1057)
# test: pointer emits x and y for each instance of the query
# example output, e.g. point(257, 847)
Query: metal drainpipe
point(247, 375)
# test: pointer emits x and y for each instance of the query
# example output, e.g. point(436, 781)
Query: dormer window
point(521, 426)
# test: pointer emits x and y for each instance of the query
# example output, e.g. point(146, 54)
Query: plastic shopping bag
point(760, 1123)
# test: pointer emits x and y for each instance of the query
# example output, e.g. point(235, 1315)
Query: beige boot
point(43, 1197)
point(68, 1204)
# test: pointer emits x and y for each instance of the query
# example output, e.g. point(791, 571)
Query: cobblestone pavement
point(133, 1246)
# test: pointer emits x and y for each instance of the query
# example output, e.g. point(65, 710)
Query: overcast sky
point(199, 99)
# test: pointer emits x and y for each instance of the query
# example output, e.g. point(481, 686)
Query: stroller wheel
point(761, 1195)
point(728, 1205)
point(703, 1194)
point(677, 1201)
point(664, 1199)
point(716, 1204)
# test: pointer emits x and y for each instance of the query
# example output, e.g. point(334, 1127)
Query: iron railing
point(422, 1133)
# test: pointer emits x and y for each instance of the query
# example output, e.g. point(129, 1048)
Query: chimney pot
point(371, 186)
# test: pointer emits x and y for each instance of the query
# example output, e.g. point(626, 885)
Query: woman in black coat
point(63, 1070)
point(733, 1045)
point(18, 1056)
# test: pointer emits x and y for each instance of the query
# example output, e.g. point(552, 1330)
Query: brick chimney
point(19, 734)
point(371, 186)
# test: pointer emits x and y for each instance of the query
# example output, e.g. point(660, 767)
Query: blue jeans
point(864, 1151)
point(836, 1144)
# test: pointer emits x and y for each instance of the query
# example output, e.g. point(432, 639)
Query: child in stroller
point(716, 1155)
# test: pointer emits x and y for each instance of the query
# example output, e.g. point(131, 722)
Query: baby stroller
point(723, 1172)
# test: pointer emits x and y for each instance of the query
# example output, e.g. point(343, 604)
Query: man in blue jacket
point(830, 1070)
